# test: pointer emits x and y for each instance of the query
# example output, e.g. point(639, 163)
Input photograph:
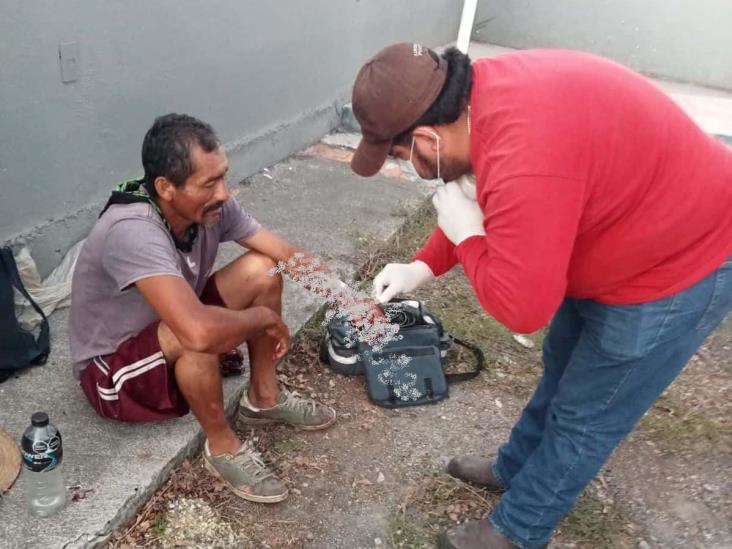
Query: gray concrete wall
point(268, 75)
point(688, 40)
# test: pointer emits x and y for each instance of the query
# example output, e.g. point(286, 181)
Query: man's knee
point(260, 270)
point(249, 280)
point(204, 359)
point(258, 262)
point(175, 353)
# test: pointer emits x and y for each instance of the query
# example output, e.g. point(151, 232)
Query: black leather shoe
point(476, 534)
point(475, 469)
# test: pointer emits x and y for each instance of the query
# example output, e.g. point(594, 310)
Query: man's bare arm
point(311, 272)
point(204, 328)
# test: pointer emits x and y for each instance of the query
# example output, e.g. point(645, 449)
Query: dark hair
point(166, 149)
point(453, 97)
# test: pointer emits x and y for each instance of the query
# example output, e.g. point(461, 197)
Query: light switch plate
point(68, 54)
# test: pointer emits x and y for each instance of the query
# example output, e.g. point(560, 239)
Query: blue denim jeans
point(604, 366)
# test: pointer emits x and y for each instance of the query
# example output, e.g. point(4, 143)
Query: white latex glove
point(467, 185)
point(400, 278)
point(457, 215)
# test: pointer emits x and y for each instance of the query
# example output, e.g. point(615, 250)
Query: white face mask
point(411, 152)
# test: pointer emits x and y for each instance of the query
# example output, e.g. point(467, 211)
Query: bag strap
point(44, 337)
point(479, 362)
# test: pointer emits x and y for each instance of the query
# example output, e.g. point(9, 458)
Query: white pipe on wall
point(466, 25)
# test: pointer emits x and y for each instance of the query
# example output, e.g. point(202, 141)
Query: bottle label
point(42, 455)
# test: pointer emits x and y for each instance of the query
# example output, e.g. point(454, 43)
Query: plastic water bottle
point(42, 454)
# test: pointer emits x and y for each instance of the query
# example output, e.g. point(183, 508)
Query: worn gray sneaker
point(246, 474)
point(303, 413)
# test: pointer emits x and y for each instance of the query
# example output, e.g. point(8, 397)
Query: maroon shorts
point(135, 383)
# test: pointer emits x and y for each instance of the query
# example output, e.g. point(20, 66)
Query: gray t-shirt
point(128, 243)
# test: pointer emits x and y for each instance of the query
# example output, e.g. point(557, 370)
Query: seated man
point(149, 319)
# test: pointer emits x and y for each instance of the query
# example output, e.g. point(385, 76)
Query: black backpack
point(424, 341)
point(18, 347)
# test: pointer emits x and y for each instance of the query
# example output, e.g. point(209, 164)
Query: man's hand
point(457, 215)
point(275, 328)
point(281, 334)
point(399, 278)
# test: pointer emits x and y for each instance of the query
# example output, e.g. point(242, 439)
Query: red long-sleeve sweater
point(594, 185)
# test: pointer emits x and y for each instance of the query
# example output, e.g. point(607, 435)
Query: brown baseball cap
point(392, 91)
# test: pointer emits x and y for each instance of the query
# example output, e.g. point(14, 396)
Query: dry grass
point(439, 502)
point(678, 426)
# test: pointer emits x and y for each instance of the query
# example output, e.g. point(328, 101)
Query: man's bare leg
point(199, 380)
point(240, 467)
point(247, 282)
point(244, 283)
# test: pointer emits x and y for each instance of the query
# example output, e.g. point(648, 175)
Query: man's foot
point(246, 474)
point(476, 534)
point(291, 408)
point(475, 469)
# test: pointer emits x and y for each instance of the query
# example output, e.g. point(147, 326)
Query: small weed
point(411, 532)
point(161, 523)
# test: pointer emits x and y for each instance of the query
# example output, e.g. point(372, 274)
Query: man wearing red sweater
point(598, 205)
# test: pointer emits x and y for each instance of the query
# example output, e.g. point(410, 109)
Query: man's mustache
point(213, 207)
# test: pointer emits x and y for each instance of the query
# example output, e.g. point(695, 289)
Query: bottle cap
point(39, 419)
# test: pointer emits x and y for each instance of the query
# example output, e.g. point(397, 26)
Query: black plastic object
point(417, 326)
point(18, 347)
point(407, 371)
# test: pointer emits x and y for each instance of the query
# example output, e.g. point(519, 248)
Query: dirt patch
point(376, 478)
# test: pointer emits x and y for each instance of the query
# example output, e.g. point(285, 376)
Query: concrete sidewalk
point(111, 468)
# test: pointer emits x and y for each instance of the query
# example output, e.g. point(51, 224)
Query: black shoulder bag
point(18, 347)
point(406, 372)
